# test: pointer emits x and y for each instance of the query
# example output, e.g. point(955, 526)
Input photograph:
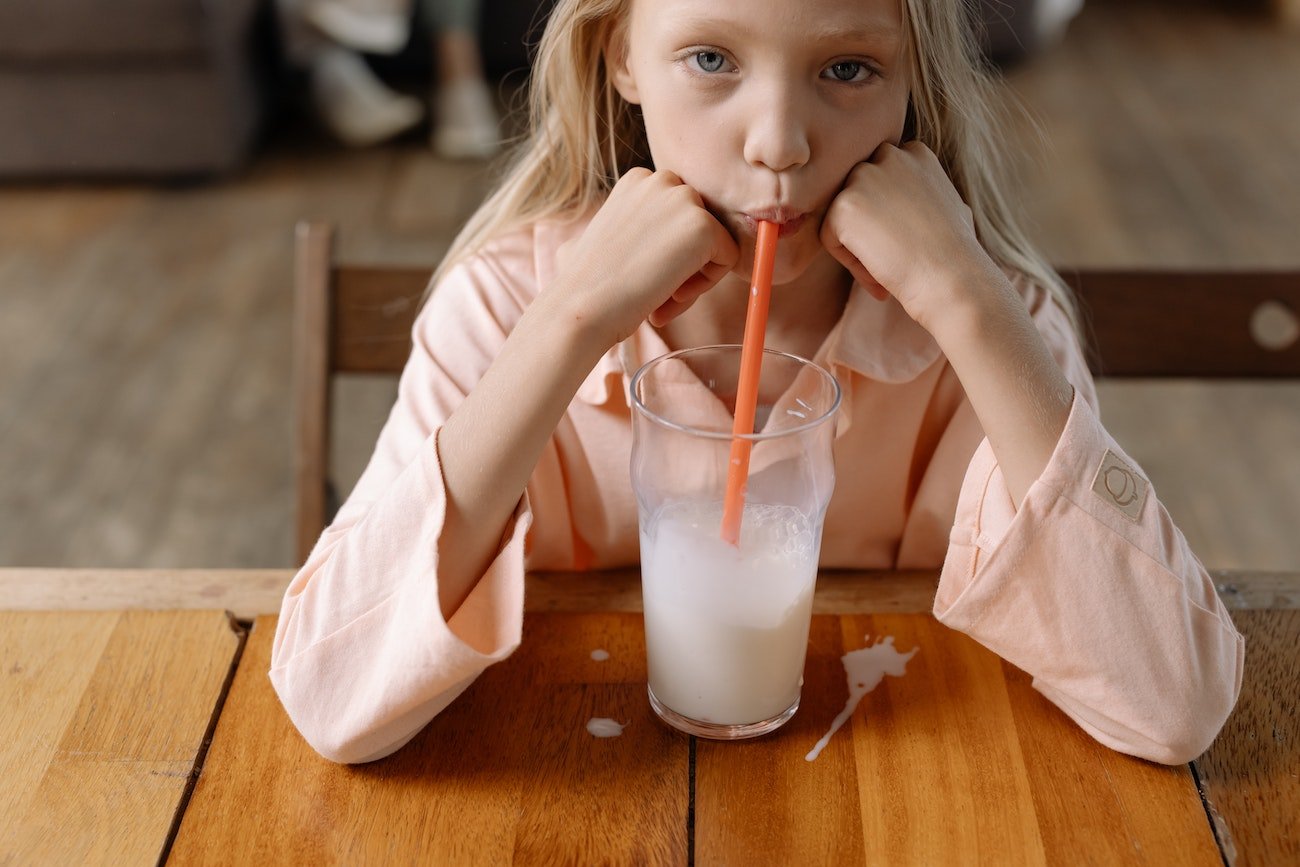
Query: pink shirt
point(1089, 586)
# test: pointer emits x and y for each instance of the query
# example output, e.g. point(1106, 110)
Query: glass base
point(717, 731)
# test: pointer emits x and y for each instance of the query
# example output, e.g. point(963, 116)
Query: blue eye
point(848, 71)
point(709, 61)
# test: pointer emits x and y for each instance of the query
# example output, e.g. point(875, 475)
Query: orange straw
point(751, 361)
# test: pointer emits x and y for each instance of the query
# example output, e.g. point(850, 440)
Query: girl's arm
point(417, 585)
point(649, 253)
point(1061, 559)
point(902, 229)
point(986, 333)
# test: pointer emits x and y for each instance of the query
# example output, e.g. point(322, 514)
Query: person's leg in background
point(465, 121)
point(350, 100)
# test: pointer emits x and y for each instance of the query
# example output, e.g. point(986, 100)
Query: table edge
point(248, 593)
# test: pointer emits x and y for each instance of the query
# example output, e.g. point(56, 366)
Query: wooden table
point(106, 718)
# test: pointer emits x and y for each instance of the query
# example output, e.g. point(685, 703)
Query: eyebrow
point(873, 31)
point(869, 33)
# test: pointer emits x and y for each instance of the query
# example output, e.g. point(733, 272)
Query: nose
point(776, 137)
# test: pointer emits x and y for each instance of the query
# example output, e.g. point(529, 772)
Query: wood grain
point(938, 766)
point(102, 719)
point(1181, 323)
point(249, 593)
point(957, 762)
point(760, 802)
point(313, 255)
point(372, 310)
point(245, 593)
point(1251, 775)
point(507, 773)
point(1094, 805)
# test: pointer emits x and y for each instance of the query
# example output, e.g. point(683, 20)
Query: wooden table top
point(105, 715)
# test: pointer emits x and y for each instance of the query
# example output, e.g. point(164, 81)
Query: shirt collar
point(876, 339)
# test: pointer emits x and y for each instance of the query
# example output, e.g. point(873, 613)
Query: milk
point(865, 668)
point(727, 626)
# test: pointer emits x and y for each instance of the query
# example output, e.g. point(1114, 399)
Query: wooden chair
point(1142, 324)
point(346, 319)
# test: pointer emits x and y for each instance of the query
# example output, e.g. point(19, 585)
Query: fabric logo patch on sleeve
point(1120, 486)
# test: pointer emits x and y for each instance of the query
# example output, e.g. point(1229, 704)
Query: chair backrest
point(346, 319)
point(1190, 324)
point(1161, 324)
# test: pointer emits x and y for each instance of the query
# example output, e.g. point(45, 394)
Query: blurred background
point(155, 155)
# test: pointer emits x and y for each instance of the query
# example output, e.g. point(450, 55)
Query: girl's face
point(764, 106)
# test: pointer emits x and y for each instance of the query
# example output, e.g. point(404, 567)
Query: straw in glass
point(751, 361)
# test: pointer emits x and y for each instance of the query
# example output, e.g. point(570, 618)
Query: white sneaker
point(465, 121)
point(356, 106)
point(1052, 17)
point(374, 31)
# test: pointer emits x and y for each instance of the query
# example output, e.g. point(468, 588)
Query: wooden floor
point(144, 330)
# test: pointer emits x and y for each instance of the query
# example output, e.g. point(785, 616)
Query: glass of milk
point(727, 626)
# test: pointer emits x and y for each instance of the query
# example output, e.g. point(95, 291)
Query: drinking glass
point(727, 625)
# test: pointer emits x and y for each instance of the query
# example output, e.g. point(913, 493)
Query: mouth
point(787, 220)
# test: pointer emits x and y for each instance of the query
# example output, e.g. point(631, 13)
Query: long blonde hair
point(583, 136)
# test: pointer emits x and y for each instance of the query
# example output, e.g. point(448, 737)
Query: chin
point(787, 272)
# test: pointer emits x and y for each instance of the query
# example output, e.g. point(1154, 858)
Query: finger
point(668, 311)
point(669, 177)
point(860, 274)
point(874, 289)
point(724, 254)
point(693, 288)
point(883, 151)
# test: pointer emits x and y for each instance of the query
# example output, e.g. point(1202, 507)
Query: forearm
point(490, 445)
point(1017, 389)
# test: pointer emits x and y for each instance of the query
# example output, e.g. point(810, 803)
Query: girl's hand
point(900, 227)
point(651, 250)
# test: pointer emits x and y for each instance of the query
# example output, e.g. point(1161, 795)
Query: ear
point(618, 66)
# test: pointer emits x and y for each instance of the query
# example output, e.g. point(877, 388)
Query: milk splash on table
point(865, 668)
point(727, 626)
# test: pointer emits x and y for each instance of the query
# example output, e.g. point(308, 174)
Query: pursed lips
point(788, 220)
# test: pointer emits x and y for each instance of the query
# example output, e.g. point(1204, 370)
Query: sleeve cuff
point(363, 689)
point(1095, 595)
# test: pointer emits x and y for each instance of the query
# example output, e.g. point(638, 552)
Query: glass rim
point(808, 425)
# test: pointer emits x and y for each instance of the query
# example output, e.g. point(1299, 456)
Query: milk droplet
point(600, 655)
point(864, 669)
point(604, 727)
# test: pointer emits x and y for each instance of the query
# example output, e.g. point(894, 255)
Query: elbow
point(1180, 743)
point(358, 728)
point(342, 738)
point(348, 748)
point(1173, 734)
point(1184, 725)
point(1171, 724)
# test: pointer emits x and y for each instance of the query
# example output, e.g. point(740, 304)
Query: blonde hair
point(583, 136)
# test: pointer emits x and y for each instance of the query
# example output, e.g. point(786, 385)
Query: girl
point(662, 131)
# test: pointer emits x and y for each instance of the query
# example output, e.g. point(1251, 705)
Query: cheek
point(850, 145)
point(683, 137)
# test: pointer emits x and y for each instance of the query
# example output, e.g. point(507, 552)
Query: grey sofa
point(127, 87)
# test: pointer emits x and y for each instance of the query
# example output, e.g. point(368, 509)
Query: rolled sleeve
point(362, 690)
point(363, 657)
point(1110, 612)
